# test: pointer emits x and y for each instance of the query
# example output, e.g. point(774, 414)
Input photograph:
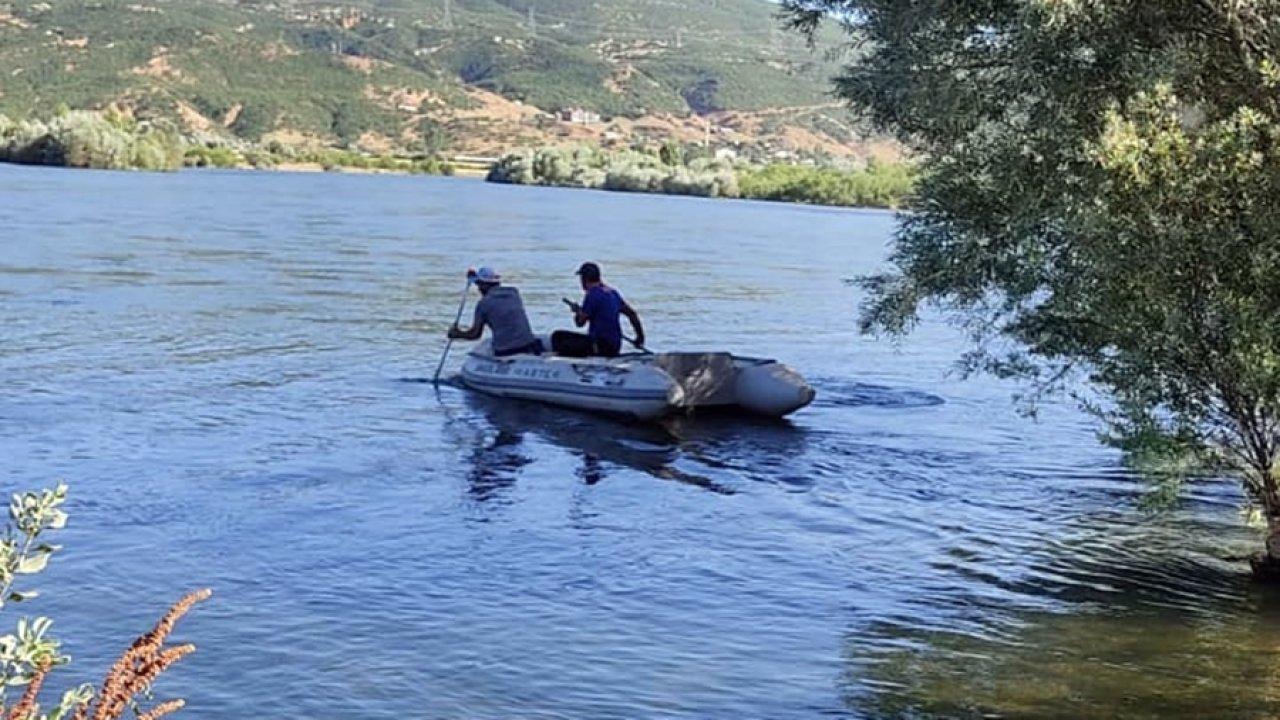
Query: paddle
point(631, 341)
point(471, 275)
point(641, 348)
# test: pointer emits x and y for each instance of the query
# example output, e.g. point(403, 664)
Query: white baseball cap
point(487, 274)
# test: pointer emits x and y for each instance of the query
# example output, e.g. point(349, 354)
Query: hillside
point(472, 75)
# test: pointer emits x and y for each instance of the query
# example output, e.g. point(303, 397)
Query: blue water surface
point(228, 369)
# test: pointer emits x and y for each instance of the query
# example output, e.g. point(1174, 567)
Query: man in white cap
point(502, 310)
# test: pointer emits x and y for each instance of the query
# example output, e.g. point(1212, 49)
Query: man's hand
point(639, 341)
point(455, 332)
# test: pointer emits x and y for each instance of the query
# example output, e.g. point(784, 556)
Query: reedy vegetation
point(668, 172)
point(28, 655)
point(1100, 197)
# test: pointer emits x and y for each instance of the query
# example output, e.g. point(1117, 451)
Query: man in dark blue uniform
point(599, 311)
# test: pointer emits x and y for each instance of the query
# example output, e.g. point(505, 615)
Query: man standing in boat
point(502, 310)
point(601, 307)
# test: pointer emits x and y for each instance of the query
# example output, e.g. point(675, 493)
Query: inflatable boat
point(643, 386)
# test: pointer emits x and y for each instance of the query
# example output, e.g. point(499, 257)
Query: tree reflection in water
point(1123, 619)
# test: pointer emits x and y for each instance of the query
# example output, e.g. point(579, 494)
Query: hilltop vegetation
point(418, 74)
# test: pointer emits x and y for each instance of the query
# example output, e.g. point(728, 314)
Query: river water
point(228, 369)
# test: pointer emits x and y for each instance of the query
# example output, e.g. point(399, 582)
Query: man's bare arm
point(634, 318)
point(472, 333)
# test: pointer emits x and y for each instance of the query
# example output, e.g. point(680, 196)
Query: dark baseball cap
point(589, 271)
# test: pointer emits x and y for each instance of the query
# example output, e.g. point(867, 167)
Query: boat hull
point(645, 387)
point(771, 388)
point(599, 385)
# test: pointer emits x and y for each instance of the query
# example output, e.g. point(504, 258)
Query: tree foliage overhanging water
point(1100, 198)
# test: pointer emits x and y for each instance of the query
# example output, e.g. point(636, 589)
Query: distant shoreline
point(678, 171)
point(471, 175)
point(111, 140)
point(311, 167)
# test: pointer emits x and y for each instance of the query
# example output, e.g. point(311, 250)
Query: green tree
point(1101, 197)
point(671, 153)
point(254, 120)
point(434, 136)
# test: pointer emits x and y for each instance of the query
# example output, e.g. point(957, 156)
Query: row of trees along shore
point(676, 170)
point(90, 140)
point(1099, 200)
point(113, 141)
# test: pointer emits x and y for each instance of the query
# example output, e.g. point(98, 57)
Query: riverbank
point(326, 160)
point(110, 141)
point(671, 171)
point(107, 141)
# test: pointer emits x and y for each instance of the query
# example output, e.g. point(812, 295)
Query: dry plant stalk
point(139, 666)
point(163, 709)
point(129, 677)
point(26, 706)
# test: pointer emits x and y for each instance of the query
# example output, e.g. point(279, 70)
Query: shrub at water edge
point(90, 140)
point(877, 186)
point(633, 171)
point(627, 171)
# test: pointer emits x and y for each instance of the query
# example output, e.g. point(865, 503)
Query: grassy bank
point(669, 172)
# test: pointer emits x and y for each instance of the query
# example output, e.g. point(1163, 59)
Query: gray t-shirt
point(503, 311)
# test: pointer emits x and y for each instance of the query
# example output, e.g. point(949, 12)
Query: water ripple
point(246, 404)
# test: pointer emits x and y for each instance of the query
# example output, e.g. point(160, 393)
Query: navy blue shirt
point(602, 305)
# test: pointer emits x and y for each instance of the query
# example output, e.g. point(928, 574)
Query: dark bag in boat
point(577, 345)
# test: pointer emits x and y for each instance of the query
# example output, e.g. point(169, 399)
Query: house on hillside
point(579, 116)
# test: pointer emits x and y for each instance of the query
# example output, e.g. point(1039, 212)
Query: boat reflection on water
point(729, 449)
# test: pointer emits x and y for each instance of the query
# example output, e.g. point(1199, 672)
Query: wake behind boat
point(642, 386)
